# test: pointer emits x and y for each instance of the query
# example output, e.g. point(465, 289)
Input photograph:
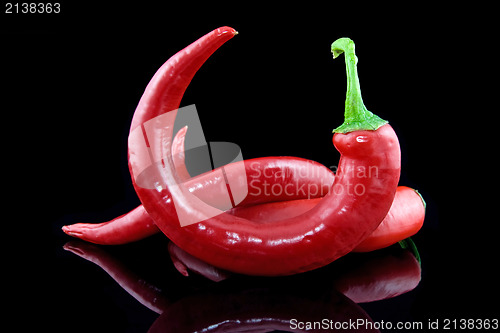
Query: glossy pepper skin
point(405, 218)
point(285, 172)
point(307, 180)
point(130, 227)
point(334, 227)
point(297, 178)
point(342, 219)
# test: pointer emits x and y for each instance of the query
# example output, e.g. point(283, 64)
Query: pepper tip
point(227, 29)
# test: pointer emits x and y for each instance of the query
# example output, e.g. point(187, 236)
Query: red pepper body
point(306, 180)
point(130, 227)
point(176, 74)
point(405, 218)
point(354, 208)
point(295, 178)
point(361, 195)
point(268, 179)
point(331, 229)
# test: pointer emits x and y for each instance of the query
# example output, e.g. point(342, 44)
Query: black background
point(71, 81)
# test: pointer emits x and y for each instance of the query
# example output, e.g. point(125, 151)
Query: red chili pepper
point(294, 177)
point(130, 227)
point(361, 195)
point(405, 218)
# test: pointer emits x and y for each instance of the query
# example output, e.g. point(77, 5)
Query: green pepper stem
point(409, 244)
point(356, 116)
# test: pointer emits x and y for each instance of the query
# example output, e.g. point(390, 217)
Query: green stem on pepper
point(357, 117)
point(409, 244)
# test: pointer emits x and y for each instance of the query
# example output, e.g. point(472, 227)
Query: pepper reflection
point(241, 303)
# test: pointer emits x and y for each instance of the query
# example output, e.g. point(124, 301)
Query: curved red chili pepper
point(285, 172)
point(298, 176)
point(130, 227)
point(405, 218)
point(361, 195)
point(176, 74)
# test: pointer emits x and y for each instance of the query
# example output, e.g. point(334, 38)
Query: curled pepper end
point(357, 117)
point(226, 29)
point(166, 96)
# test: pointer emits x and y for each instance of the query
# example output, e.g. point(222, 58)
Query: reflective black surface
point(70, 86)
point(135, 288)
point(241, 303)
point(244, 303)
